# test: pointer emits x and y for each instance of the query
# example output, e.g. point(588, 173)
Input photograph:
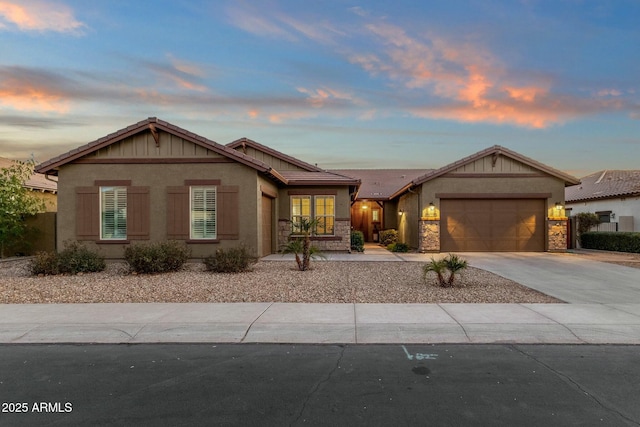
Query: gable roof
point(151, 124)
point(380, 184)
point(37, 181)
point(606, 184)
point(495, 150)
point(246, 142)
point(314, 176)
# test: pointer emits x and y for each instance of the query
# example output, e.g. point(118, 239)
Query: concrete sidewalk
point(604, 308)
point(320, 323)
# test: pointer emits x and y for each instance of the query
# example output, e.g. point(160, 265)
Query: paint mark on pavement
point(419, 356)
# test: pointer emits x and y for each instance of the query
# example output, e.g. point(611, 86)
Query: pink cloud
point(35, 15)
point(24, 95)
point(472, 84)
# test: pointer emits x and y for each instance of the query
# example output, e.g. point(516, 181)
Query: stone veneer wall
point(429, 235)
point(557, 235)
point(341, 241)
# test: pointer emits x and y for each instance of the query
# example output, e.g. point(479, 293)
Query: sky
point(344, 84)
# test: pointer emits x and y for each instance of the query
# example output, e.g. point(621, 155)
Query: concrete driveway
point(568, 277)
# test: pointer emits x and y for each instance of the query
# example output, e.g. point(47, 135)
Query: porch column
point(557, 234)
point(429, 229)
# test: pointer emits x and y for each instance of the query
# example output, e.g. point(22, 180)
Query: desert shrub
point(76, 258)
point(398, 247)
point(234, 260)
point(44, 263)
point(73, 259)
point(606, 241)
point(452, 263)
point(158, 257)
point(357, 241)
point(388, 237)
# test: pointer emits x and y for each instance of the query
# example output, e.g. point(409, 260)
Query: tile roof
point(380, 184)
point(605, 184)
point(50, 166)
point(37, 181)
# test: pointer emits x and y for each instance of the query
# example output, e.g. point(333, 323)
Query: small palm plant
point(452, 263)
point(300, 243)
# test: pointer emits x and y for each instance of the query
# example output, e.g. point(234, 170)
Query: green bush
point(357, 241)
point(159, 257)
point(234, 260)
point(73, 259)
point(606, 241)
point(76, 258)
point(398, 247)
point(44, 263)
point(388, 237)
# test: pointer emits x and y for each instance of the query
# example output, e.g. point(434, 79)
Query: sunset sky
point(376, 84)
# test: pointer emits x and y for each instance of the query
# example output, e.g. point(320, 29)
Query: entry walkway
point(604, 308)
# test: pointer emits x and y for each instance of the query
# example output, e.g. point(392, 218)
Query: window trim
point(101, 192)
point(205, 188)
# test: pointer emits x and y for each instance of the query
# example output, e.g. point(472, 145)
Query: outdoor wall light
point(401, 212)
point(432, 207)
point(559, 206)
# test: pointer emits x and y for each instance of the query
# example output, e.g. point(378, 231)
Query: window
point(113, 213)
point(203, 212)
point(320, 208)
point(325, 214)
point(375, 215)
point(604, 216)
point(300, 208)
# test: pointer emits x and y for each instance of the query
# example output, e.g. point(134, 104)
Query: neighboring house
point(154, 181)
point(43, 224)
point(614, 195)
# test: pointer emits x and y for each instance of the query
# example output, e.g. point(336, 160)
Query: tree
point(586, 221)
point(16, 203)
point(300, 244)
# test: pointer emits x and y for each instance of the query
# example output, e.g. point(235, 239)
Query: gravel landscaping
point(270, 281)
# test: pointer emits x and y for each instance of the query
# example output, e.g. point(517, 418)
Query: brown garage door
point(492, 225)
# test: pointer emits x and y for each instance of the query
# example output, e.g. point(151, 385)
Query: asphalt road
point(337, 385)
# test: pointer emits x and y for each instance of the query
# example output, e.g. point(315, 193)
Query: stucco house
point(493, 200)
point(614, 195)
point(154, 181)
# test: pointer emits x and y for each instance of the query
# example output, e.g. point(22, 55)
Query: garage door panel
point(493, 225)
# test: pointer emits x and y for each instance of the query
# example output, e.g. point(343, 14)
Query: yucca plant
point(452, 263)
point(300, 243)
